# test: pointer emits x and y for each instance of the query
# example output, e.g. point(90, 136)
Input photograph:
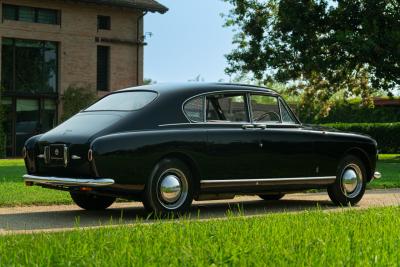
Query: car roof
point(193, 88)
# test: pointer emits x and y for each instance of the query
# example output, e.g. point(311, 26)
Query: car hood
point(81, 128)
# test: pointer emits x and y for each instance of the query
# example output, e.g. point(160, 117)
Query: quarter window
point(265, 109)
point(227, 107)
point(287, 116)
point(194, 109)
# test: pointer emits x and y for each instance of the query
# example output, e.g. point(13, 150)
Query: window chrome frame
point(247, 94)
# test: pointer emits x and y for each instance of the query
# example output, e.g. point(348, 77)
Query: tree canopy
point(318, 48)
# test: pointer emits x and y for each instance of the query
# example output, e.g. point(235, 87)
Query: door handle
point(248, 126)
point(260, 126)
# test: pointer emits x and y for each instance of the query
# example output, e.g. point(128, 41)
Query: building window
point(31, 14)
point(103, 68)
point(29, 67)
point(26, 117)
point(103, 22)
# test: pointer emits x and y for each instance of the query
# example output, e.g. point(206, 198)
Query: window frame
point(268, 95)
point(247, 94)
point(204, 98)
point(35, 16)
point(13, 90)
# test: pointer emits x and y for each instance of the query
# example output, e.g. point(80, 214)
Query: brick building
point(49, 45)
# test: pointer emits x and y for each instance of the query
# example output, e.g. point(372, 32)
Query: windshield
point(125, 101)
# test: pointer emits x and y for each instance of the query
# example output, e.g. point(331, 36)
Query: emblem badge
point(56, 152)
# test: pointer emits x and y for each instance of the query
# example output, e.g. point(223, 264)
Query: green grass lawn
point(349, 238)
point(13, 192)
point(389, 166)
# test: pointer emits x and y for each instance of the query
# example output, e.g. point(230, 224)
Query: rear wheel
point(92, 202)
point(170, 188)
point(350, 183)
point(272, 197)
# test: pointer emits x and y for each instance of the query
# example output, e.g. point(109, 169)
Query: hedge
point(354, 112)
point(386, 134)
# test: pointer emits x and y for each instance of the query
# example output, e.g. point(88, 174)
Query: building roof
point(147, 5)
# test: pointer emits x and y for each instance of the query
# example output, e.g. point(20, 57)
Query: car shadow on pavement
point(59, 220)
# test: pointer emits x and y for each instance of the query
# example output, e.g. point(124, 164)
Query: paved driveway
point(68, 217)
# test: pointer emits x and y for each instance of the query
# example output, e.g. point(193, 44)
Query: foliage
point(352, 112)
point(148, 81)
point(75, 99)
point(319, 48)
point(315, 238)
point(386, 134)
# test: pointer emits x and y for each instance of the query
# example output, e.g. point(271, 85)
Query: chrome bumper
point(59, 181)
point(377, 175)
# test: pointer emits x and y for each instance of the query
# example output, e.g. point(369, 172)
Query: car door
point(232, 144)
point(287, 150)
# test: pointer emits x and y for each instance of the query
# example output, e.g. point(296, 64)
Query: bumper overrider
point(67, 182)
point(377, 175)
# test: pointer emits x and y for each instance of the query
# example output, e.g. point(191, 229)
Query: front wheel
point(92, 202)
point(170, 188)
point(350, 183)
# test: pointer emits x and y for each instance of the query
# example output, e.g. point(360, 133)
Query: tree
point(318, 48)
point(148, 81)
point(76, 98)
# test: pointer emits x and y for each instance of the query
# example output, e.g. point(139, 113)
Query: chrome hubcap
point(352, 180)
point(172, 189)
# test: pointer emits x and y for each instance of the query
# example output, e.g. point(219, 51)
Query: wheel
point(170, 188)
point(272, 197)
point(92, 202)
point(350, 183)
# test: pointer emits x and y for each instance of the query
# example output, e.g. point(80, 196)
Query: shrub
point(75, 99)
point(386, 134)
point(353, 112)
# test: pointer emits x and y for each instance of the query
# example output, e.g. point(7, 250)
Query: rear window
point(125, 101)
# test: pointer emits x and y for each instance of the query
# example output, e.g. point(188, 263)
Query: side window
point(265, 109)
point(287, 116)
point(194, 109)
point(227, 107)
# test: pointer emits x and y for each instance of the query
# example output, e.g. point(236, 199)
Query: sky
point(187, 41)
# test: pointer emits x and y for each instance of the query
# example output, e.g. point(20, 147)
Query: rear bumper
point(61, 181)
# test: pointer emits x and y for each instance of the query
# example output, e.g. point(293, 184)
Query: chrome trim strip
point(49, 180)
point(257, 125)
point(268, 180)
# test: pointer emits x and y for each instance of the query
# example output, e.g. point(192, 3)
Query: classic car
point(167, 145)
